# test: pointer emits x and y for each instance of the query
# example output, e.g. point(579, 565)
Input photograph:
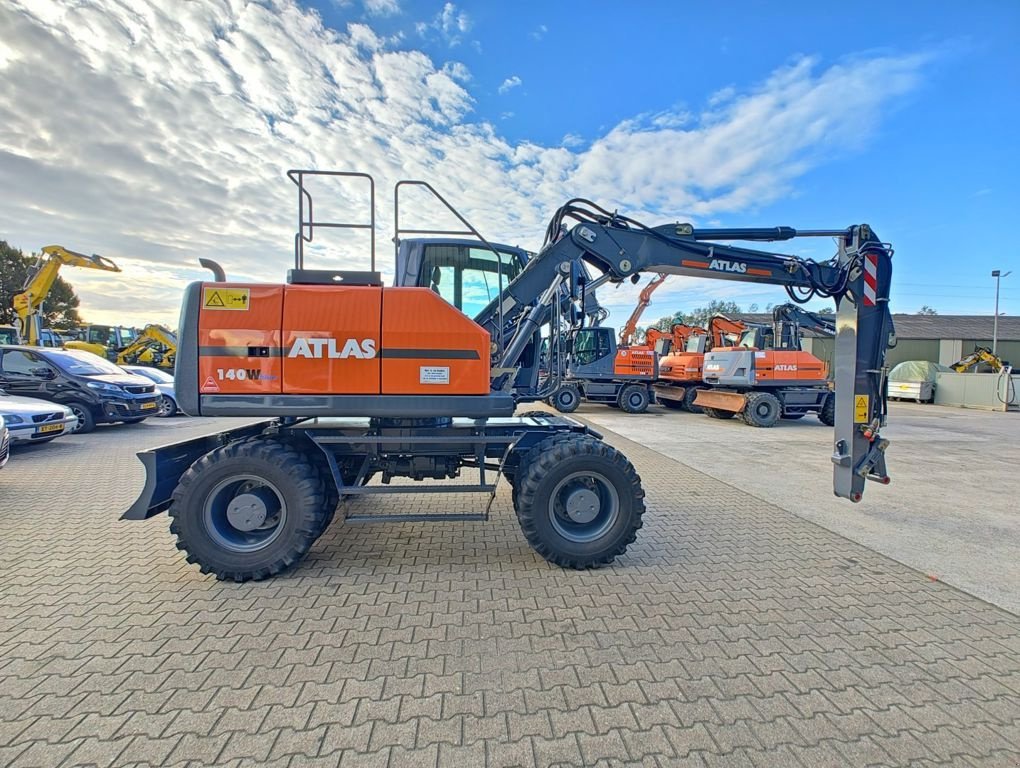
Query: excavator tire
point(689, 397)
point(827, 413)
point(763, 409)
point(566, 399)
point(249, 510)
point(673, 405)
point(531, 455)
point(718, 413)
point(633, 398)
point(579, 501)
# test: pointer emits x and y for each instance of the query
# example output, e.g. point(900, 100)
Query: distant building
point(939, 338)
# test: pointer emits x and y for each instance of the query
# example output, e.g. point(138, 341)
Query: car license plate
point(148, 406)
point(45, 428)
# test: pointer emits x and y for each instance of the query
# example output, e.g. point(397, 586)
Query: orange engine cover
point(634, 361)
point(337, 340)
point(683, 366)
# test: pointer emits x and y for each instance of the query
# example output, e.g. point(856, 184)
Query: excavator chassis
point(248, 503)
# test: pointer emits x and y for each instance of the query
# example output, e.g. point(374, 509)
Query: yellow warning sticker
point(225, 298)
point(861, 409)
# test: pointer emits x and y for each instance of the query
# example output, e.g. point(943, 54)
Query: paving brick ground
point(733, 633)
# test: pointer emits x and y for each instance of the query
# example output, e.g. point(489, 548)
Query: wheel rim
point(763, 410)
point(79, 413)
point(244, 513)
point(567, 398)
point(583, 506)
point(164, 407)
point(636, 399)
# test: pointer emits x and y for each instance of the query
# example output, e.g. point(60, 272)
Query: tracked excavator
point(355, 384)
point(767, 376)
point(28, 304)
point(599, 370)
point(681, 369)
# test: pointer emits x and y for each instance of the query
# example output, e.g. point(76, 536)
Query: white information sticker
point(434, 374)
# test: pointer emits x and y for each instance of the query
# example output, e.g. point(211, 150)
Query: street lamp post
point(995, 323)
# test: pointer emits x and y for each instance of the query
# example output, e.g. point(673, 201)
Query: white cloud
point(382, 7)
point(449, 25)
point(509, 84)
point(539, 32)
point(186, 116)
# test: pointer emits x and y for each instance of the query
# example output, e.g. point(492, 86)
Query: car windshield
point(81, 363)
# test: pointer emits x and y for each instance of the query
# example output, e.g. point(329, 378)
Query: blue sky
point(939, 177)
point(186, 115)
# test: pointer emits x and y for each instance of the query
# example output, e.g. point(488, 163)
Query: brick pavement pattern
point(732, 633)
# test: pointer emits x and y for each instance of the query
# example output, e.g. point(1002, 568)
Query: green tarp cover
point(916, 370)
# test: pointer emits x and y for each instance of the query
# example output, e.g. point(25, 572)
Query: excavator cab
point(463, 272)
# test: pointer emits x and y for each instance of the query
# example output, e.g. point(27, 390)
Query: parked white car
point(30, 420)
point(164, 385)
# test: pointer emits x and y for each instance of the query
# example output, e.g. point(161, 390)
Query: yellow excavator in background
point(28, 304)
point(155, 345)
point(978, 356)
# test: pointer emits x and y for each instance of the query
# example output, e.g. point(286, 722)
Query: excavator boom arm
point(630, 327)
point(28, 303)
point(857, 278)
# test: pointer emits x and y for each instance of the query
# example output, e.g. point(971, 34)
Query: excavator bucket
point(721, 401)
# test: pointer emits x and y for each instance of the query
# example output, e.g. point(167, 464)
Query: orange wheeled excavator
point(767, 376)
point(681, 370)
point(599, 370)
point(355, 384)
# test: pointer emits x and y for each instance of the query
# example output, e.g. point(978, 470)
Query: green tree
point(926, 310)
point(826, 311)
point(60, 310)
point(702, 315)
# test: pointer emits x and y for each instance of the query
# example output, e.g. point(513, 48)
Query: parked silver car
point(164, 385)
point(30, 420)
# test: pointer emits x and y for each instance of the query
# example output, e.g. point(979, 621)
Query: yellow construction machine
point(155, 345)
point(28, 304)
point(977, 357)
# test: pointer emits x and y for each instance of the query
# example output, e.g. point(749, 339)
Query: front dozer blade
point(721, 400)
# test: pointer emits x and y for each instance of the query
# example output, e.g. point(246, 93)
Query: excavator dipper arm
point(857, 278)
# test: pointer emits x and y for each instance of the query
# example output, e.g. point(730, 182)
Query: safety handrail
point(308, 225)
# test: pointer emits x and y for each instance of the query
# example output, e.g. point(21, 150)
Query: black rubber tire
point(86, 421)
point(673, 405)
point(513, 474)
point(689, 397)
point(718, 413)
point(827, 413)
point(793, 416)
point(566, 399)
point(557, 458)
point(299, 483)
point(169, 408)
point(762, 410)
point(633, 398)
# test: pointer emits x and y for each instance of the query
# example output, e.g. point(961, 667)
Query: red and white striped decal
point(870, 278)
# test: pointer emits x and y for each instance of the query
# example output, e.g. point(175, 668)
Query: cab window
point(466, 277)
point(591, 345)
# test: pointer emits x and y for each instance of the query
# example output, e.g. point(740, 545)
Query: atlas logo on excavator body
point(331, 348)
point(722, 265)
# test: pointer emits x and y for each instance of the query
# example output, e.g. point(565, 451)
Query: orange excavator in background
point(599, 370)
point(681, 368)
point(766, 376)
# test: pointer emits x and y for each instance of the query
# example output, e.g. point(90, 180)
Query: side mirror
point(43, 372)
